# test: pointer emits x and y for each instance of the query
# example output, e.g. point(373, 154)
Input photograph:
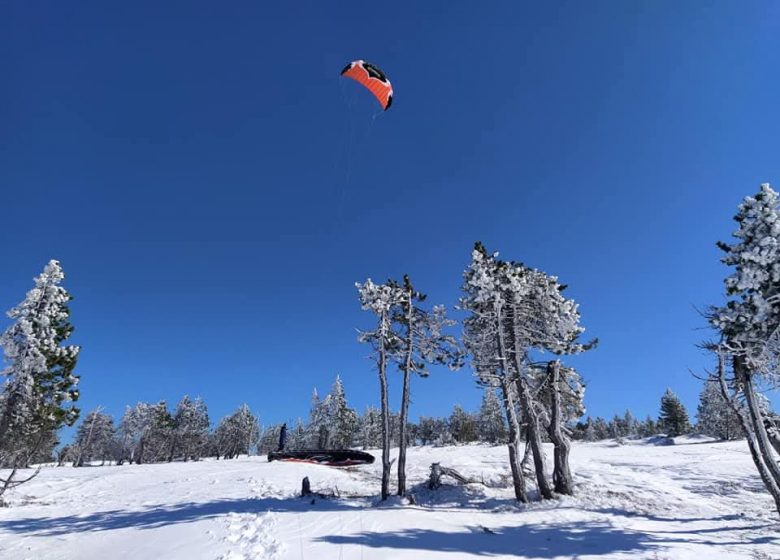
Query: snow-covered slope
point(696, 499)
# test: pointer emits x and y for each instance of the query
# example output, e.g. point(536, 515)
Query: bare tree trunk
point(773, 434)
point(405, 397)
point(80, 459)
point(745, 379)
point(511, 416)
point(530, 416)
point(514, 443)
point(382, 366)
point(534, 434)
point(172, 451)
point(562, 478)
point(769, 482)
point(402, 436)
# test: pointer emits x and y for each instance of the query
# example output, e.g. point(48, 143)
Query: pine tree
point(674, 418)
point(514, 310)
point(94, 438)
point(648, 428)
point(190, 429)
point(239, 433)
point(715, 416)
point(381, 300)
point(463, 426)
point(40, 383)
point(749, 324)
point(371, 428)
point(630, 424)
point(490, 421)
point(342, 419)
point(590, 431)
point(422, 342)
point(298, 436)
point(317, 429)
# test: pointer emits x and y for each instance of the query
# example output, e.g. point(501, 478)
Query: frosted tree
point(749, 323)
point(630, 424)
point(483, 333)
point(490, 419)
point(673, 418)
point(238, 433)
point(381, 299)
point(590, 431)
point(562, 394)
point(40, 385)
point(317, 429)
point(422, 342)
point(94, 438)
point(514, 310)
point(342, 420)
point(269, 439)
point(147, 430)
point(463, 426)
point(189, 430)
point(714, 416)
point(371, 428)
point(648, 427)
point(297, 438)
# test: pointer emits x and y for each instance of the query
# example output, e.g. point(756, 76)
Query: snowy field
point(696, 499)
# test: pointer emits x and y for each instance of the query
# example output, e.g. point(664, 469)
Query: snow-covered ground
point(696, 499)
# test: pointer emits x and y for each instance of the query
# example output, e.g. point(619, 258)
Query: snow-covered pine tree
point(371, 428)
point(463, 426)
point(190, 429)
point(381, 300)
point(714, 416)
point(674, 418)
point(601, 428)
point(515, 310)
point(317, 430)
point(94, 438)
point(490, 419)
point(147, 431)
point(484, 299)
point(297, 438)
point(269, 439)
point(40, 385)
point(342, 419)
point(630, 424)
point(749, 323)
point(648, 428)
point(590, 430)
point(423, 342)
point(238, 433)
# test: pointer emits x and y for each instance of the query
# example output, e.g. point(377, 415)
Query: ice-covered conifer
point(674, 418)
point(40, 384)
point(381, 299)
point(342, 420)
point(190, 429)
point(714, 416)
point(95, 438)
point(490, 419)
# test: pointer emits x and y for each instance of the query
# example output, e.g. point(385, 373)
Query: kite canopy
point(373, 79)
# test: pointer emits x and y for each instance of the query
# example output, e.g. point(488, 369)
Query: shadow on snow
point(545, 540)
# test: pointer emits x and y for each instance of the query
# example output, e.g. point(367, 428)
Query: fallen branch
point(437, 471)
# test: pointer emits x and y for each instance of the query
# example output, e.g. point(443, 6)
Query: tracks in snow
point(250, 536)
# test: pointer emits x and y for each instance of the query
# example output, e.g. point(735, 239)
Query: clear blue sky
point(214, 190)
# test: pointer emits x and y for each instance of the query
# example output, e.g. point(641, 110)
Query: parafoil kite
point(373, 79)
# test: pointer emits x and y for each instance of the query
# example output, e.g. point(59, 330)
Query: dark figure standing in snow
point(282, 437)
